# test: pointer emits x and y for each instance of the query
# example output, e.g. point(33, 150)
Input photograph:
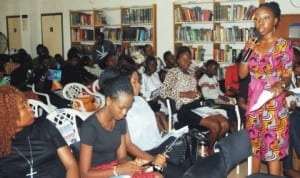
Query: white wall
point(34, 8)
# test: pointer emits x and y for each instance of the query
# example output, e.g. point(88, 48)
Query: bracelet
point(115, 171)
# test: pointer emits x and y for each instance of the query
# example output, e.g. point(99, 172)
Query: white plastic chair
point(65, 121)
point(73, 90)
point(39, 108)
point(48, 102)
point(95, 86)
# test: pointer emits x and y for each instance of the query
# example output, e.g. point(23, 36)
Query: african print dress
point(268, 125)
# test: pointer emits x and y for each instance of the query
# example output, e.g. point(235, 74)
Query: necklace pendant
point(31, 172)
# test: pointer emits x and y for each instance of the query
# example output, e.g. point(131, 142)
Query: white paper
point(209, 111)
point(175, 133)
point(264, 97)
point(295, 90)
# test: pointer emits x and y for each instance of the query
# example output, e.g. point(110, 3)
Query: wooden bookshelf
point(138, 25)
point(129, 28)
point(221, 31)
point(283, 28)
point(84, 24)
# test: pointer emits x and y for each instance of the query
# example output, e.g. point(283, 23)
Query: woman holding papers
point(180, 85)
point(269, 62)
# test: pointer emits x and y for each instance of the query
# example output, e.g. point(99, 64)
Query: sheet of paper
point(209, 111)
point(264, 97)
point(295, 90)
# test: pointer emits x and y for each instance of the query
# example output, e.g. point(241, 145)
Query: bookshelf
point(287, 22)
point(129, 28)
point(138, 25)
point(84, 24)
point(214, 29)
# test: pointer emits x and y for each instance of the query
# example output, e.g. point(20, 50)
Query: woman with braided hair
point(29, 147)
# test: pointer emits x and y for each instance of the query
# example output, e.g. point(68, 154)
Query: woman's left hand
point(160, 160)
point(277, 88)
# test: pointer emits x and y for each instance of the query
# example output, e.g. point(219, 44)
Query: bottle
point(203, 149)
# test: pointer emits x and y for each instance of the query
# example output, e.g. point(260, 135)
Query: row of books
point(82, 34)
point(137, 34)
point(234, 12)
point(194, 14)
point(232, 34)
point(226, 55)
point(189, 34)
point(198, 52)
point(135, 16)
point(87, 19)
point(113, 34)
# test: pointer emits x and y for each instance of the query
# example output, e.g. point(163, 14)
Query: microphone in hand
point(248, 52)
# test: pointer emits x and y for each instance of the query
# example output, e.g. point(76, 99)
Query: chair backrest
point(39, 108)
point(95, 86)
point(73, 90)
point(65, 121)
point(41, 94)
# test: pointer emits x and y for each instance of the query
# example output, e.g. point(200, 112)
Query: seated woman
point(180, 85)
point(151, 84)
point(28, 147)
point(103, 150)
point(144, 139)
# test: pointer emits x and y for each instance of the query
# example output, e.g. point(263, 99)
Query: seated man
point(211, 90)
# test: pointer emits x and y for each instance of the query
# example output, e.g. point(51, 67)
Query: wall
point(34, 9)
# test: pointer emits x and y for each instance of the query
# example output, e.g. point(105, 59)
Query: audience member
point(103, 151)
point(232, 83)
point(270, 68)
point(145, 133)
point(180, 86)
point(210, 88)
point(102, 48)
point(148, 51)
point(293, 101)
point(29, 147)
point(59, 60)
point(42, 52)
point(73, 71)
point(90, 66)
point(170, 62)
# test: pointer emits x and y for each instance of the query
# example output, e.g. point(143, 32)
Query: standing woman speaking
point(270, 68)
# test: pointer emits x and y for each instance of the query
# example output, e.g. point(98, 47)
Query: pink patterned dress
point(268, 126)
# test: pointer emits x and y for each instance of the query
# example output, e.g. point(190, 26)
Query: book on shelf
point(136, 15)
point(194, 14)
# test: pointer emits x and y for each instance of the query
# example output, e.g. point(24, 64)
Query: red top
point(232, 79)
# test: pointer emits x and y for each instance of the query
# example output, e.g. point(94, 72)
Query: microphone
point(248, 52)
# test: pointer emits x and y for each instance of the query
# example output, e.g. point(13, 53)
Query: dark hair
point(181, 50)
point(150, 59)
point(274, 7)
point(166, 54)
point(147, 45)
point(211, 62)
point(126, 64)
point(112, 83)
point(100, 34)
point(73, 53)
point(296, 51)
point(102, 63)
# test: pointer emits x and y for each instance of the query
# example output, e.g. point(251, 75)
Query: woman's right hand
point(128, 168)
point(252, 43)
point(190, 94)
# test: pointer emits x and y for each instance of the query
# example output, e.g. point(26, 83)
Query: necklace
point(30, 162)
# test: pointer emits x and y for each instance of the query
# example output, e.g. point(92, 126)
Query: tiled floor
point(244, 171)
